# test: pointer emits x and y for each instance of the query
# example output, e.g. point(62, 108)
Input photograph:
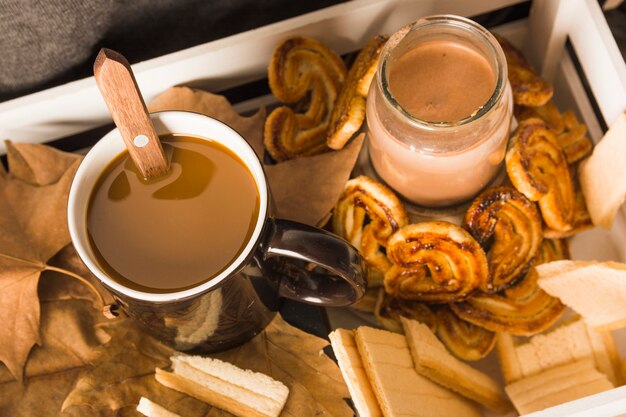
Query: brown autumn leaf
point(218, 107)
point(32, 219)
point(125, 371)
point(304, 189)
point(68, 347)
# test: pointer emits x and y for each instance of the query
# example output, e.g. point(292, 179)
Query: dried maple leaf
point(125, 371)
point(218, 107)
point(304, 189)
point(33, 196)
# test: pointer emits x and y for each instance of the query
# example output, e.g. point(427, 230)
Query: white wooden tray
point(567, 40)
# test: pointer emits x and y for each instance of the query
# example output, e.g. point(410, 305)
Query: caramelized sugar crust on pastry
point(435, 262)
point(463, 339)
point(571, 135)
point(389, 310)
point(524, 309)
point(349, 111)
point(529, 88)
point(302, 71)
point(366, 215)
point(508, 226)
point(537, 167)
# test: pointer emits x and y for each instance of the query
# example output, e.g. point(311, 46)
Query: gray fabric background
point(49, 42)
point(44, 43)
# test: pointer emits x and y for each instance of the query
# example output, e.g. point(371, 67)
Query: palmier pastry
point(524, 309)
point(349, 111)
point(508, 226)
point(366, 214)
point(529, 88)
point(571, 135)
point(435, 262)
point(573, 139)
point(463, 339)
point(538, 169)
point(303, 71)
point(582, 218)
point(389, 310)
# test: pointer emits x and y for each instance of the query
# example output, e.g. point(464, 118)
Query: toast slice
point(432, 360)
point(595, 290)
point(351, 366)
point(507, 356)
point(557, 385)
point(399, 389)
point(152, 409)
point(570, 342)
point(241, 392)
point(603, 175)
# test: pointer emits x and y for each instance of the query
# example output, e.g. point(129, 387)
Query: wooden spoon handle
point(118, 87)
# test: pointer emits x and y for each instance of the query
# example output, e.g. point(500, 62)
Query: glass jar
point(441, 162)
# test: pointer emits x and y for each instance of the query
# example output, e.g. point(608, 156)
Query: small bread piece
point(400, 390)
point(507, 356)
point(557, 385)
point(603, 175)
point(241, 392)
point(351, 366)
point(151, 409)
point(433, 361)
point(595, 290)
point(349, 111)
point(570, 342)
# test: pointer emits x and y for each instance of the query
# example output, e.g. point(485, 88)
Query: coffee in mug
point(176, 231)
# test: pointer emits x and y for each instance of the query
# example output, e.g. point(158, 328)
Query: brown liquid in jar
point(441, 81)
point(177, 231)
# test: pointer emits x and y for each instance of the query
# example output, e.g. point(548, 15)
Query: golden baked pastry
point(508, 226)
point(435, 262)
point(366, 214)
point(538, 169)
point(573, 139)
point(524, 309)
point(463, 339)
point(581, 219)
point(571, 135)
point(349, 111)
point(549, 113)
point(389, 310)
point(529, 88)
point(305, 72)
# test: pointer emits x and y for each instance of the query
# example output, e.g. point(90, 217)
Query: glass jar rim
point(451, 21)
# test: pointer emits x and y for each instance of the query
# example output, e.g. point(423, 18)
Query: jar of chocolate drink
point(439, 111)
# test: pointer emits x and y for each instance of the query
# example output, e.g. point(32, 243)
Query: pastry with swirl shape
point(508, 226)
point(582, 218)
point(366, 214)
point(570, 133)
point(349, 112)
point(463, 339)
point(529, 88)
point(436, 262)
point(305, 72)
point(389, 310)
point(537, 167)
point(524, 309)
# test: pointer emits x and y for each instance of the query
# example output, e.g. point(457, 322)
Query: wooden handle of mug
point(119, 89)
